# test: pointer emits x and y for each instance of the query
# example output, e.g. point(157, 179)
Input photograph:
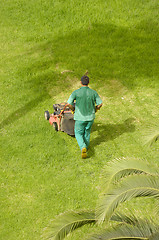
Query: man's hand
point(98, 107)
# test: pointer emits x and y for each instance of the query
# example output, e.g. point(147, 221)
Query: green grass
point(42, 173)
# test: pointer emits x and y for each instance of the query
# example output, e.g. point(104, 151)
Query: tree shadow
point(107, 132)
point(110, 52)
point(106, 50)
point(19, 113)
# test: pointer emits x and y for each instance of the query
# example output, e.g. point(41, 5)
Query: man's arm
point(71, 107)
point(70, 101)
point(98, 107)
point(98, 101)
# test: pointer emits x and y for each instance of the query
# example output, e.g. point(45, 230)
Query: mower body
point(62, 119)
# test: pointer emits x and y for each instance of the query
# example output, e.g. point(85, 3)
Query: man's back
point(85, 103)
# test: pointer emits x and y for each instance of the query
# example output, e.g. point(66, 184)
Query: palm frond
point(152, 137)
point(143, 230)
point(67, 223)
point(131, 187)
point(120, 168)
point(123, 218)
point(132, 220)
point(155, 236)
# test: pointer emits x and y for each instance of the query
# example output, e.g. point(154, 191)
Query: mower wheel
point(55, 126)
point(47, 115)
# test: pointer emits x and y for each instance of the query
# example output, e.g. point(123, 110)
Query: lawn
point(42, 173)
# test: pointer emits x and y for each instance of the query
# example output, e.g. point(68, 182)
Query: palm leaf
point(155, 236)
point(122, 218)
point(67, 223)
point(152, 138)
point(131, 187)
point(143, 230)
point(120, 168)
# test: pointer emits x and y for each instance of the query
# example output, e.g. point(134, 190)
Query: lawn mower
point(62, 118)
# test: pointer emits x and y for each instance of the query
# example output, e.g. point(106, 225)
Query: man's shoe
point(84, 152)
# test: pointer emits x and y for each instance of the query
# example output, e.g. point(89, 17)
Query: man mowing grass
point(87, 103)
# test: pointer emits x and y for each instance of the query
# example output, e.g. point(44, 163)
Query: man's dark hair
point(85, 80)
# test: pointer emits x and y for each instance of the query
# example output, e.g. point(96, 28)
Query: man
point(87, 103)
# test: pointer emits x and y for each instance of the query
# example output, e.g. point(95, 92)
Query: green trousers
point(82, 133)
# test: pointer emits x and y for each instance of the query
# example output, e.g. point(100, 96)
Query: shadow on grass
point(19, 113)
point(110, 52)
point(107, 132)
point(106, 50)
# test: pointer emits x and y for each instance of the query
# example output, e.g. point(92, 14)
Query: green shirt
point(86, 99)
